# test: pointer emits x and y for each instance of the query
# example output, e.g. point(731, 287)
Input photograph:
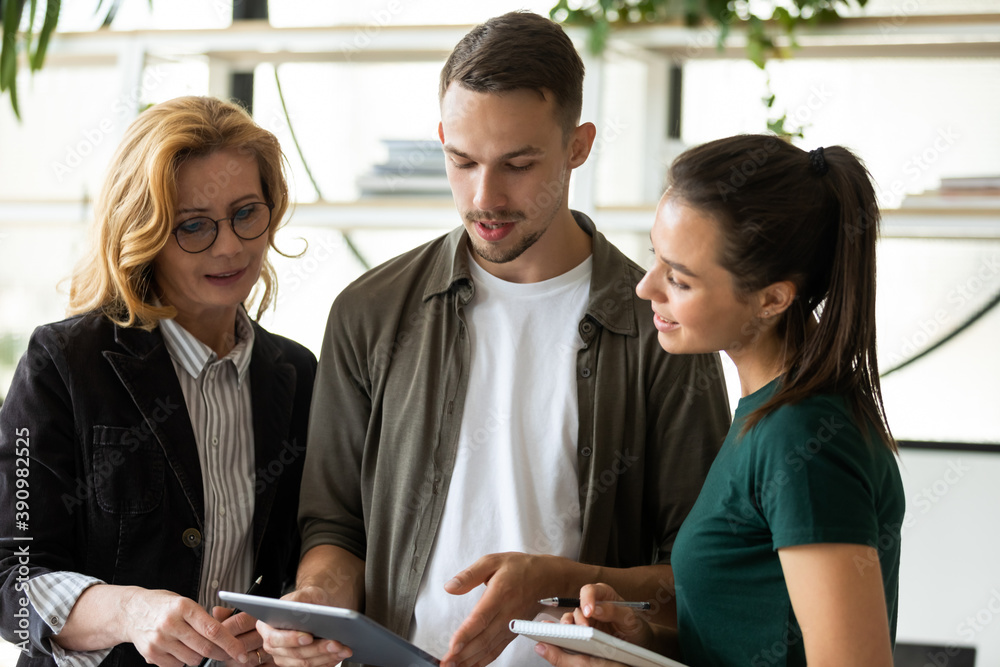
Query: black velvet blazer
point(96, 429)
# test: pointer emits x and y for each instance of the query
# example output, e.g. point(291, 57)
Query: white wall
point(950, 567)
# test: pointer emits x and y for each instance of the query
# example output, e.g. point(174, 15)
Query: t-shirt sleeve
point(813, 477)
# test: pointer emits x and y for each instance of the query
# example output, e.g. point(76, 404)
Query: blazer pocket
point(127, 470)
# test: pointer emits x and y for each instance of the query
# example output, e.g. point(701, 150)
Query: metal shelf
point(435, 213)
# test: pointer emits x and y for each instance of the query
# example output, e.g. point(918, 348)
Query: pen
point(254, 587)
point(575, 602)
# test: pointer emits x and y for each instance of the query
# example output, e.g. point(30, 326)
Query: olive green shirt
point(389, 397)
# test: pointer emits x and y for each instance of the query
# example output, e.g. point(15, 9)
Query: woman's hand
point(622, 622)
point(170, 630)
point(243, 626)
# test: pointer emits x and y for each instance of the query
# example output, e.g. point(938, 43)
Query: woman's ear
point(776, 298)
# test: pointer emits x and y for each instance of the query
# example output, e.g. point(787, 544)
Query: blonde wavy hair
point(134, 212)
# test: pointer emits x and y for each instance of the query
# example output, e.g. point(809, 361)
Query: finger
point(186, 649)
point(240, 624)
point(275, 640)
point(569, 618)
point(291, 648)
point(215, 632)
point(591, 594)
point(321, 653)
point(467, 639)
point(221, 613)
point(556, 656)
point(497, 646)
point(485, 647)
point(477, 573)
point(580, 619)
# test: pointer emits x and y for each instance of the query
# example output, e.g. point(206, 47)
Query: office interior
point(350, 90)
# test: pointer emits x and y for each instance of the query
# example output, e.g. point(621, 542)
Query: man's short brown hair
point(520, 50)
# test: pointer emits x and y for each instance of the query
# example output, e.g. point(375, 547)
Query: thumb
point(552, 654)
point(466, 580)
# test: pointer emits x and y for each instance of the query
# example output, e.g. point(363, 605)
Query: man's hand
point(290, 648)
point(170, 630)
point(514, 584)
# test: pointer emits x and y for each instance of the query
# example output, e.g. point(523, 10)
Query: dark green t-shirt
point(802, 475)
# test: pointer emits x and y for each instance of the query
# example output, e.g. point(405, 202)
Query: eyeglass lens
point(249, 222)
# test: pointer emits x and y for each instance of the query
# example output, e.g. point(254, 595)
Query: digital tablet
point(371, 643)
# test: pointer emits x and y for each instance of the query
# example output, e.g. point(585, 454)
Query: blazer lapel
point(146, 371)
point(272, 388)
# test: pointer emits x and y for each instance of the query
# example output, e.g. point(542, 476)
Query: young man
point(493, 407)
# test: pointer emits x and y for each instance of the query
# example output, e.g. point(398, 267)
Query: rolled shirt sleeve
point(53, 596)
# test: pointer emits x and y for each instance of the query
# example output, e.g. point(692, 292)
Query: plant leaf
point(45, 34)
point(12, 12)
point(13, 97)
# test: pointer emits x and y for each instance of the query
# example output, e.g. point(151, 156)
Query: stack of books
point(413, 167)
point(968, 192)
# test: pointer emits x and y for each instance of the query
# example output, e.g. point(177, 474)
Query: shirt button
point(191, 537)
point(586, 451)
point(585, 372)
point(222, 511)
point(54, 622)
point(215, 441)
point(586, 327)
point(215, 583)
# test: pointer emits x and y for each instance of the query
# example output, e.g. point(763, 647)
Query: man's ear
point(776, 298)
point(580, 144)
point(441, 131)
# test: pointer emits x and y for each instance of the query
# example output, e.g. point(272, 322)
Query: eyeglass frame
point(232, 225)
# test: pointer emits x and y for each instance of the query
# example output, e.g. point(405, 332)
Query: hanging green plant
point(18, 19)
point(16, 41)
point(762, 21)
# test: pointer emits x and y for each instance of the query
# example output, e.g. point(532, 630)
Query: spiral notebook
point(590, 641)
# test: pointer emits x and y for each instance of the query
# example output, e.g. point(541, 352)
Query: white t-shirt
point(516, 468)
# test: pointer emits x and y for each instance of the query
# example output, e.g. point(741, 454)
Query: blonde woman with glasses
point(157, 436)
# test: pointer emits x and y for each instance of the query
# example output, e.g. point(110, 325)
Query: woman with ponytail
point(791, 553)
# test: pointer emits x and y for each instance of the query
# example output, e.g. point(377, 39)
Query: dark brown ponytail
point(810, 218)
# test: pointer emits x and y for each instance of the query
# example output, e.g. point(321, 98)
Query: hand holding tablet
point(371, 643)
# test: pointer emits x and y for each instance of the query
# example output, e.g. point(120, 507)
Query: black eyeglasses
point(198, 234)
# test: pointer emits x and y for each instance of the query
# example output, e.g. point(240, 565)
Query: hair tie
point(817, 162)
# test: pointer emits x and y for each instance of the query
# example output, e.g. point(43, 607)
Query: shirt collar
point(193, 356)
point(611, 285)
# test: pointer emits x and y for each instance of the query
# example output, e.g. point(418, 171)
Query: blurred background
point(350, 89)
